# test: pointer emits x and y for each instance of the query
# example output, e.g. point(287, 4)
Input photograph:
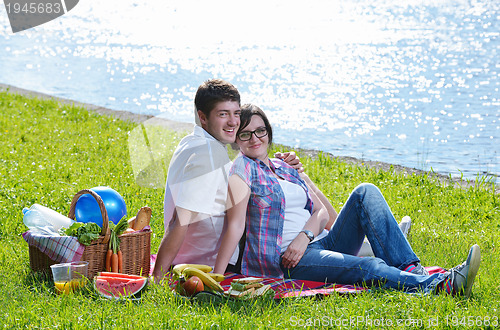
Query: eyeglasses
point(259, 132)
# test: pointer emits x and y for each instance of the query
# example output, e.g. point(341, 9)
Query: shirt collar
point(200, 131)
point(273, 165)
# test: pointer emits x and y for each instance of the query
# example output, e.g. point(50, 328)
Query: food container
point(69, 276)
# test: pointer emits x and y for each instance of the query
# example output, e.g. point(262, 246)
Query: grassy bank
point(49, 151)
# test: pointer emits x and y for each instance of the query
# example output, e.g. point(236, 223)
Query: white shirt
point(197, 181)
point(296, 215)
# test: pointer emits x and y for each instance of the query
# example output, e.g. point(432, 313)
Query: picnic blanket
point(286, 288)
point(61, 249)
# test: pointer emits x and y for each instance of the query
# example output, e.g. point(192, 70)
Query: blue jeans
point(333, 259)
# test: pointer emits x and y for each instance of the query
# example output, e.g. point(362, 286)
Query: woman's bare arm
point(238, 197)
point(329, 207)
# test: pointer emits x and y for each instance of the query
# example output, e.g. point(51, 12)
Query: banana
point(217, 277)
point(207, 280)
point(177, 270)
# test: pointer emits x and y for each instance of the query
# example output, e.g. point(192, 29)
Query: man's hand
point(291, 159)
point(295, 251)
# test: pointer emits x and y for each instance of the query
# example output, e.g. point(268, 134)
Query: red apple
point(193, 285)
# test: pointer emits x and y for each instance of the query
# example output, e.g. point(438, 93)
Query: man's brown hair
point(212, 92)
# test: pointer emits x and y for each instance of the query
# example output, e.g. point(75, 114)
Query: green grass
point(49, 151)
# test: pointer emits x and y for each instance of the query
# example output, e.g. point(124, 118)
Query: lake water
point(413, 83)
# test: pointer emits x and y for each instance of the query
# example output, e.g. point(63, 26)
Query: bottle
point(42, 219)
point(56, 219)
point(37, 223)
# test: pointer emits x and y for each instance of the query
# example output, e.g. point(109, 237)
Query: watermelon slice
point(121, 275)
point(119, 288)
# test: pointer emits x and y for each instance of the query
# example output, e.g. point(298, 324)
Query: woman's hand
point(295, 251)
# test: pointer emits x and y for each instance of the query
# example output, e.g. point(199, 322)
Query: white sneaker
point(405, 225)
point(366, 248)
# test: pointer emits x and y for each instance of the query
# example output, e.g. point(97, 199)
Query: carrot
point(114, 253)
point(120, 261)
point(108, 260)
point(114, 263)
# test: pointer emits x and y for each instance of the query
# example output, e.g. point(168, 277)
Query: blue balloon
point(87, 209)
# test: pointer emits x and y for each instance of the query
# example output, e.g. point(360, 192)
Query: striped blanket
point(61, 249)
point(286, 288)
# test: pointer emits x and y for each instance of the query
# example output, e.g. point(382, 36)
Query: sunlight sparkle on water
point(383, 80)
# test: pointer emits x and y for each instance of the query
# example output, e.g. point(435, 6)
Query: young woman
point(284, 221)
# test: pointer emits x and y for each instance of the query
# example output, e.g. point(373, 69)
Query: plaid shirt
point(265, 214)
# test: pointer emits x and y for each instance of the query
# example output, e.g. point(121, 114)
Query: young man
point(196, 189)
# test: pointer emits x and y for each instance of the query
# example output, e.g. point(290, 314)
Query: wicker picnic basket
point(135, 247)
